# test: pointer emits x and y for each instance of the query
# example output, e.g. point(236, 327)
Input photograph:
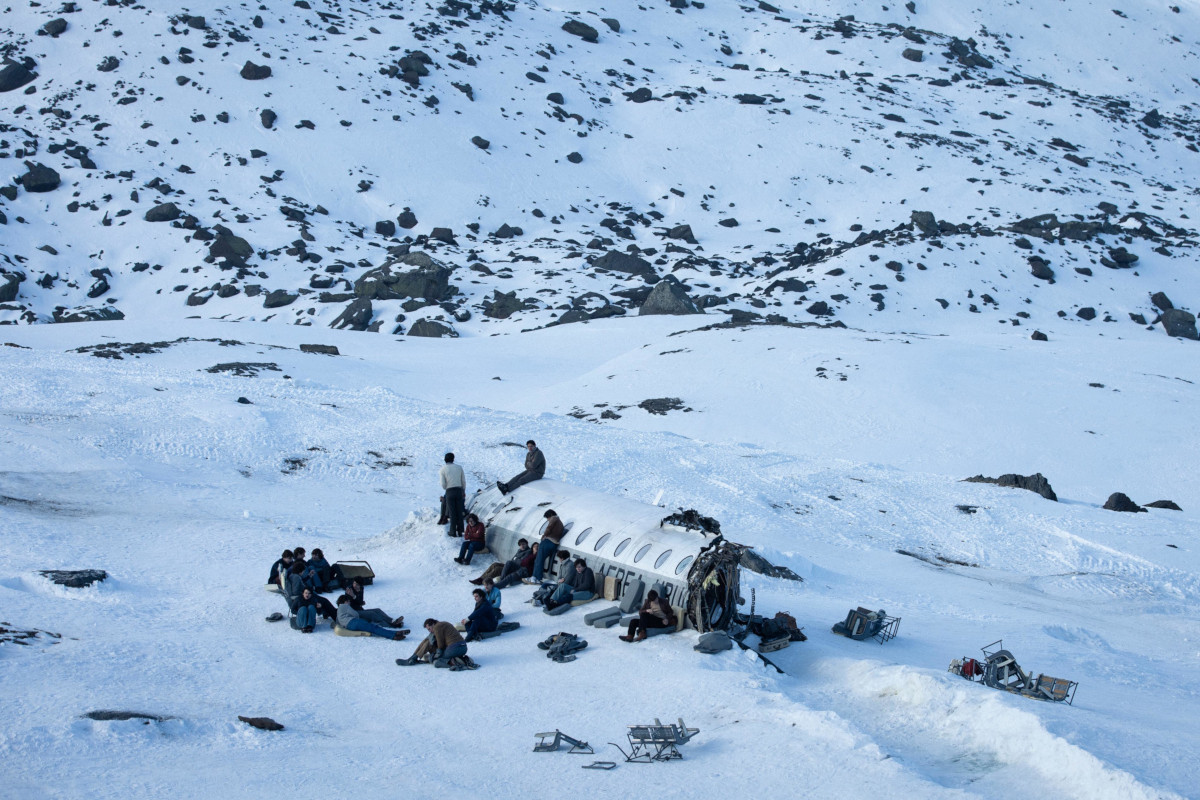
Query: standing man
point(535, 468)
point(548, 546)
point(454, 484)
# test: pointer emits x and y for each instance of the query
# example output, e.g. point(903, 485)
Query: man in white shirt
point(454, 485)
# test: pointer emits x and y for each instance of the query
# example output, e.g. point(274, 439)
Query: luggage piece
point(357, 569)
point(610, 588)
point(607, 622)
point(611, 611)
point(631, 601)
point(340, 631)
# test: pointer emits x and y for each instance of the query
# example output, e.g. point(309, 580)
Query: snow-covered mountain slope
point(148, 466)
point(823, 173)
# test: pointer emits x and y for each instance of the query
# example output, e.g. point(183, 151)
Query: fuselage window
point(642, 553)
point(583, 535)
point(687, 562)
point(662, 559)
point(621, 547)
point(601, 542)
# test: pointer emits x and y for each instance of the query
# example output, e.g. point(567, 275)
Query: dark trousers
point(456, 510)
point(646, 621)
point(521, 479)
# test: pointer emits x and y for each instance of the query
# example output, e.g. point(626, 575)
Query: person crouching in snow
point(447, 644)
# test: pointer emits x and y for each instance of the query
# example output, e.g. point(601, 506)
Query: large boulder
point(669, 296)
point(356, 316)
point(10, 283)
point(1119, 501)
point(255, 72)
point(88, 314)
point(1033, 483)
point(616, 261)
point(39, 178)
point(163, 212)
point(430, 280)
point(14, 76)
point(502, 305)
point(1177, 322)
point(432, 329)
point(234, 250)
point(279, 298)
point(582, 30)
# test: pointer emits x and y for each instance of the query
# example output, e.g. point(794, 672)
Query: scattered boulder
point(1034, 483)
point(1161, 301)
point(108, 64)
point(323, 349)
point(88, 314)
point(429, 281)
point(54, 28)
point(14, 76)
point(74, 578)
point(582, 30)
point(10, 284)
point(123, 716)
point(163, 212)
point(502, 305)
point(279, 298)
point(1086, 313)
point(39, 178)
point(820, 309)
point(925, 222)
point(506, 231)
point(262, 723)
point(432, 329)
point(1118, 501)
point(1177, 322)
point(407, 220)
point(913, 54)
point(617, 261)
point(267, 117)
point(254, 72)
point(1168, 504)
point(1038, 336)
point(443, 235)
point(234, 250)
point(683, 233)
point(669, 296)
point(480, 142)
point(1040, 268)
point(385, 227)
point(574, 158)
point(661, 405)
point(613, 25)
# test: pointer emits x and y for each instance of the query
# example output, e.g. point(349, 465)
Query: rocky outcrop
point(1034, 483)
point(669, 296)
point(429, 281)
point(1119, 501)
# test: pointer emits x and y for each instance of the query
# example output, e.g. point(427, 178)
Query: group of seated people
point(316, 573)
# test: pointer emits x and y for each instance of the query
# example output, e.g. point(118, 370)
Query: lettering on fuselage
point(624, 577)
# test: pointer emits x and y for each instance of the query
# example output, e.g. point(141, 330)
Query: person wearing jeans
point(473, 540)
point(548, 546)
point(352, 620)
point(580, 584)
point(306, 611)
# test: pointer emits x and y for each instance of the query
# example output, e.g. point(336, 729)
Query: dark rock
point(323, 349)
point(1034, 483)
point(14, 76)
point(1161, 301)
point(102, 314)
point(430, 281)
point(245, 401)
point(1041, 269)
point(925, 222)
point(356, 316)
point(234, 250)
point(617, 261)
point(262, 723)
point(432, 329)
point(1177, 322)
point(574, 158)
point(668, 297)
point(1118, 501)
point(480, 142)
point(682, 232)
point(54, 27)
point(820, 309)
point(613, 25)
point(661, 405)
point(582, 30)
point(123, 716)
point(1038, 336)
point(39, 178)
point(641, 95)
point(506, 231)
point(1152, 119)
point(108, 64)
point(74, 578)
point(443, 235)
point(1164, 504)
point(199, 298)
point(10, 284)
point(556, 98)
point(750, 99)
point(728, 223)
point(385, 227)
point(267, 117)
point(502, 305)
point(913, 54)
point(279, 298)
point(407, 220)
point(1122, 256)
point(163, 212)
point(254, 72)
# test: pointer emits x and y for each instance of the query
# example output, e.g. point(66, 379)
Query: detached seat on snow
point(340, 631)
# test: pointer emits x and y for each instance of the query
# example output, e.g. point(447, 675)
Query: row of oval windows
point(639, 555)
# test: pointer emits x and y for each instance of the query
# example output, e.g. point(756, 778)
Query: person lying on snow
point(473, 540)
point(482, 619)
point(656, 612)
point(293, 589)
point(280, 569)
point(577, 584)
point(371, 620)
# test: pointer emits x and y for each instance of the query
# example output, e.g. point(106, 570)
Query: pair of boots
point(638, 637)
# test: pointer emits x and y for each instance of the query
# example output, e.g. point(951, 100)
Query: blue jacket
point(485, 614)
point(493, 598)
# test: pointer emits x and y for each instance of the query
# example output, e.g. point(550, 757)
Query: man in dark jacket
point(483, 619)
point(279, 569)
point(578, 584)
point(535, 468)
point(548, 546)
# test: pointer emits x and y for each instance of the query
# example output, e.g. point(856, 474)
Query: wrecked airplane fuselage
point(696, 570)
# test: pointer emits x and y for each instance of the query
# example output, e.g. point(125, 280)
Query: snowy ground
point(148, 467)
